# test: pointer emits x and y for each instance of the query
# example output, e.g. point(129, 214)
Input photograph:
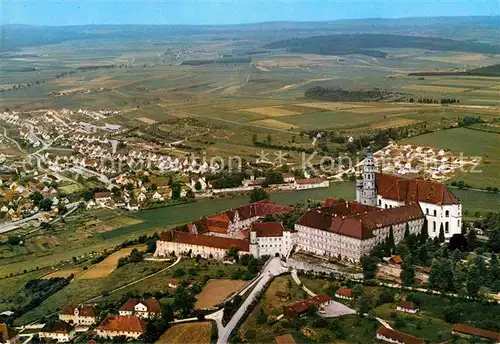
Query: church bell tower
point(369, 190)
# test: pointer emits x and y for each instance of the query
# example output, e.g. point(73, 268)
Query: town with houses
point(399, 193)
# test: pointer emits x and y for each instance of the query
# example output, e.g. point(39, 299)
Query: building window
point(446, 227)
point(435, 212)
point(379, 202)
point(447, 213)
point(434, 226)
point(386, 206)
point(426, 211)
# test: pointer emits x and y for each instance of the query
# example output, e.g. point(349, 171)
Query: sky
point(189, 12)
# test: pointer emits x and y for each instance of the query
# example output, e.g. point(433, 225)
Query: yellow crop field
point(438, 89)
point(393, 122)
point(381, 109)
point(197, 332)
point(272, 123)
point(334, 105)
point(108, 265)
point(217, 291)
point(271, 111)
point(63, 273)
point(146, 120)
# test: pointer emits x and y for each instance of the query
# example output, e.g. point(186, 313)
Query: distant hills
point(471, 29)
point(366, 44)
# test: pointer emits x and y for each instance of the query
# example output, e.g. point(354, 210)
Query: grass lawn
point(420, 325)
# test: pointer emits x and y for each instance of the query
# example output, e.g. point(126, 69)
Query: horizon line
point(265, 22)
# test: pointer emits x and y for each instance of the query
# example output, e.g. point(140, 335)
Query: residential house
point(57, 330)
point(195, 180)
point(391, 336)
point(79, 315)
point(158, 197)
point(344, 293)
point(102, 198)
point(8, 335)
point(172, 283)
point(407, 307)
point(145, 308)
point(118, 325)
point(132, 206)
point(301, 308)
point(288, 178)
point(469, 331)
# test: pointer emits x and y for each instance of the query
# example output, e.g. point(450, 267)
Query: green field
point(469, 142)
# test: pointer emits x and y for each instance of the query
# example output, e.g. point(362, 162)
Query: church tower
point(368, 190)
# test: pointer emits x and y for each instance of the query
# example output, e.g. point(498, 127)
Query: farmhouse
point(269, 238)
point(301, 308)
point(206, 246)
point(442, 209)
point(146, 308)
point(57, 330)
point(407, 307)
point(391, 336)
point(348, 230)
point(118, 325)
point(469, 331)
point(102, 198)
point(344, 293)
point(78, 315)
point(8, 335)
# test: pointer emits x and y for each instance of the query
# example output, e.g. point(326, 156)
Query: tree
point(176, 190)
point(441, 233)
point(261, 316)
point(46, 204)
point(472, 239)
point(424, 235)
point(36, 197)
point(183, 300)
point(154, 187)
point(258, 194)
point(474, 280)
point(408, 271)
point(369, 265)
point(457, 255)
point(197, 186)
point(441, 275)
point(386, 295)
point(407, 231)
point(357, 291)
point(423, 254)
point(88, 195)
point(232, 252)
point(494, 240)
point(390, 240)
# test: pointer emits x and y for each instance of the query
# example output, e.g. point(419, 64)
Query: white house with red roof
point(145, 308)
point(129, 326)
point(269, 238)
point(440, 206)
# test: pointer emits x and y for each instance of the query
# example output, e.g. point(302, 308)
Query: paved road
point(273, 268)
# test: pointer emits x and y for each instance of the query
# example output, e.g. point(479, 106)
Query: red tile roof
point(413, 190)
point(399, 336)
point(303, 306)
point(206, 240)
point(359, 225)
point(309, 181)
point(7, 333)
point(344, 292)
point(83, 310)
point(127, 323)
point(474, 331)
point(152, 305)
point(397, 259)
point(268, 229)
point(407, 305)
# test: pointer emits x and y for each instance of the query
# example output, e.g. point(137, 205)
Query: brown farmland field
point(63, 273)
point(217, 291)
point(334, 106)
point(108, 265)
point(273, 123)
point(271, 111)
point(198, 332)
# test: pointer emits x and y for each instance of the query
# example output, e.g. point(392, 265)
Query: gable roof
point(268, 229)
point(152, 305)
point(57, 326)
point(413, 190)
point(7, 332)
point(344, 292)
point(474, 331)
point(206, 240)
point(303, 306)
point(126, 323)
point(407, 304)
point(309, 181)
point(343, 218)
point(399, 336)
point(83, 310)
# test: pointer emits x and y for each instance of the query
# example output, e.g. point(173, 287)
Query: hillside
point(493, 70)
point(367, 44)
